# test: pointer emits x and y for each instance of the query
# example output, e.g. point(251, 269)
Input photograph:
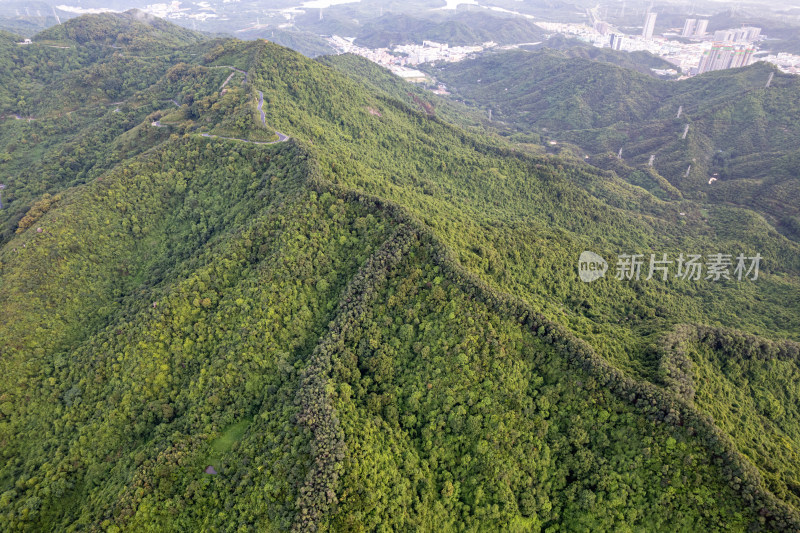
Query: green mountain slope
point(739, 132)
point(70, 121)
point(383, 81)
point(487, 425)
point(749, 386)
point(375, 323)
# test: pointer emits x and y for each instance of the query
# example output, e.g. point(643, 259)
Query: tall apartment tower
point(752, 33)
point(649, 25)
point(616, 41)
point(726, 55)
point(688, 28)
point(702, 25)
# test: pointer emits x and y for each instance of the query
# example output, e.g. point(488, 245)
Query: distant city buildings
point(745, 34)
point(788, 63)
point(432, 51)
point(649, 25)
point(725, 55)
point(400, 58)
point(685, 55)
point(702, 53)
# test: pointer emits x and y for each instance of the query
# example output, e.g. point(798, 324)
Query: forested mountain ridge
point(134, 30)
point(375, 325)
point(462, 29)
point(737, 130)
point(72, 111)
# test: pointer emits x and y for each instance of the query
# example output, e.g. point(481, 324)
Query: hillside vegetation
point(375, 323)
point(739, 132)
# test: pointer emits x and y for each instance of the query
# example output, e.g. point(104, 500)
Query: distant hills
point(134, 30)
point(307, 43)
point(25, 17)
point(462, 29)
point(374, 320)
point(739, 132)
point(392, 29)
point(639, 61)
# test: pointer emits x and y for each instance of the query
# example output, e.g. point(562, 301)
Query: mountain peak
point(130, 29)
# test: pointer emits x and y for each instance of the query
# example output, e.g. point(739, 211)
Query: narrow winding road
point(210, 136)
point(281, 136)
point(234, 69)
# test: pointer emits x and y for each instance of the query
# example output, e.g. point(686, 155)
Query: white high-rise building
point(702, 25)
point(726, 55)
point(745, 34)
point(752, 33)
point(649, 25)
point(688, 28)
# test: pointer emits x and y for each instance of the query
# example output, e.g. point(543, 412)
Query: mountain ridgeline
point(462, 29)
point(726, 125)
point(372, 321)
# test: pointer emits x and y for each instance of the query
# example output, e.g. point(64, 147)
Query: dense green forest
point(724, 125)
point(375, 323)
